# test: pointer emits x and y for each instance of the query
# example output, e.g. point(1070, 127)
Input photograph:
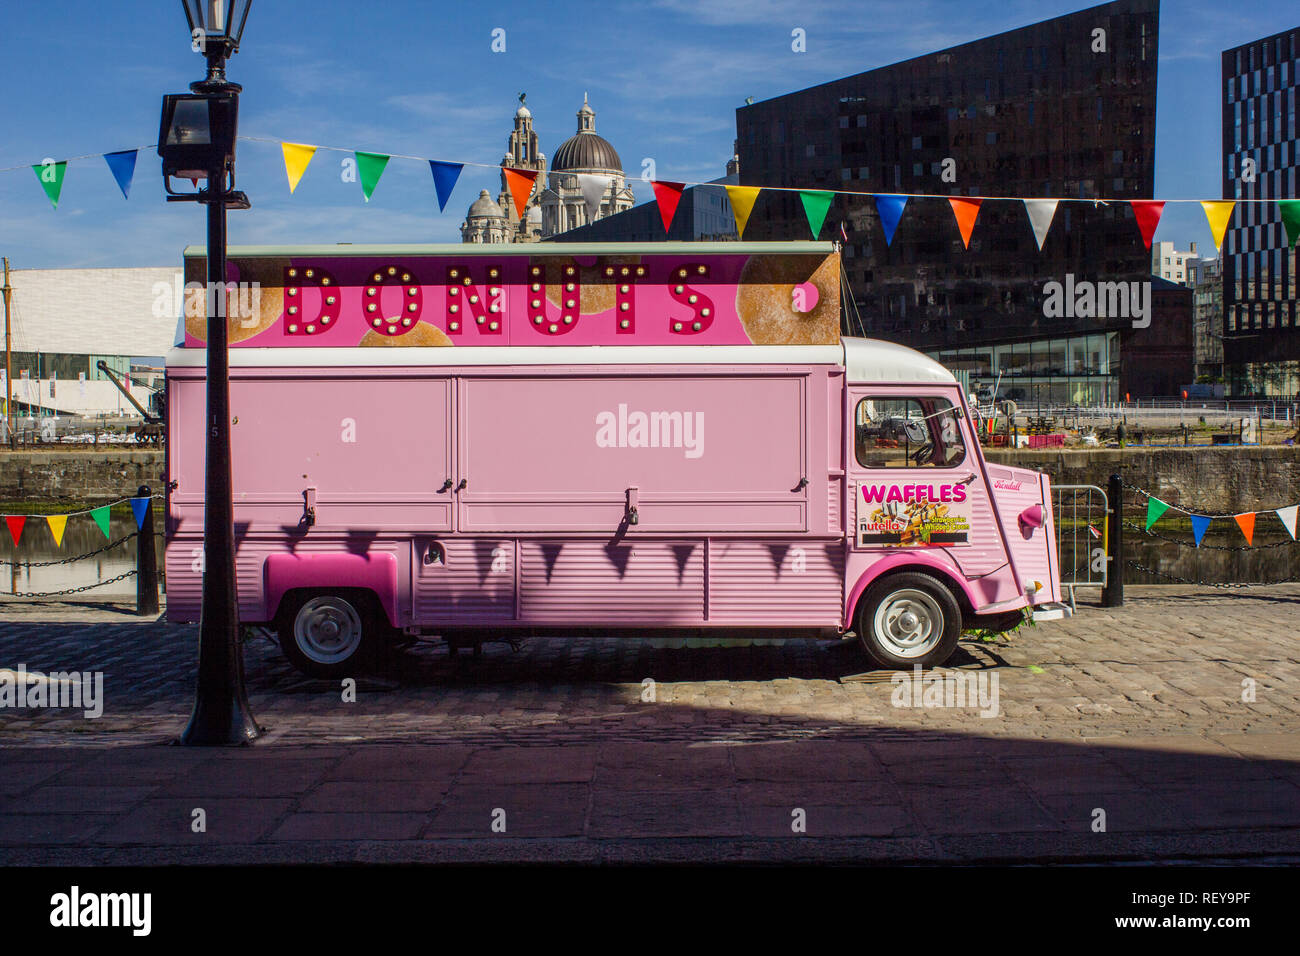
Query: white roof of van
point(864, 360)
point(871, 360)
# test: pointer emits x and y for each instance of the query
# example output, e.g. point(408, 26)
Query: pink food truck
point(482, 442)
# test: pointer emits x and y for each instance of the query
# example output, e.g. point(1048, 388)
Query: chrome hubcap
point(908, 623)
point(327, 630)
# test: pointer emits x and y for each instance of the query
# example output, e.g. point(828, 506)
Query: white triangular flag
point(1288, 518)
point(1041, 212)
point(593, 191)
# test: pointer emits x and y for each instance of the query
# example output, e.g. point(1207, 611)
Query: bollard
point(146, 562)
point(1112, 595)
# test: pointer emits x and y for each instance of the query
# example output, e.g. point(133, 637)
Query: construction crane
point(151, 432)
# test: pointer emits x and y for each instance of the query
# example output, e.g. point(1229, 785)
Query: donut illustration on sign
point(253, 306)
point(767, 303)
point(421, 335)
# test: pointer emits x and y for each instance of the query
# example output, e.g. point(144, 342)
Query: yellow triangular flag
point(1218, 212)
point(296, 158)
point(57, 524)
point(742, 204)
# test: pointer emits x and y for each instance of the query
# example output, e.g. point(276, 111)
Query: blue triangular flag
point(122, 165)
point(890, 209)
point(1199, 524)
point(444, 180)
point(140, 506)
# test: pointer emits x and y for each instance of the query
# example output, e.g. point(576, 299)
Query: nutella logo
point(939, 493)
point(625, 429)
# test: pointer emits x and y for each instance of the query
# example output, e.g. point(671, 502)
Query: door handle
point(446, 486)
point(464, 483)
point(803, 483)
point(967, 480)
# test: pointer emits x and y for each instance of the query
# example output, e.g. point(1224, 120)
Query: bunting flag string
point(296, 158)
point(966, 211)
point(1245, 521)
point(1148, 212)
point(742, 204)
point(521, 183)
point(593, 189)
point(51, 178)
point(122, 166)
point(1041, 212)
point(890, 210)
point(816, 203)
point(667, 195)
point(1218, 213)
point(370, 166)
point(1290, 209)
point(444, 180)
point(58, 523)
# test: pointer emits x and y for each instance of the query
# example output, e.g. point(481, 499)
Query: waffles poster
point(913, 515)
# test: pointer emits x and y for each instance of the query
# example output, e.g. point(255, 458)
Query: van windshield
point(908, 433)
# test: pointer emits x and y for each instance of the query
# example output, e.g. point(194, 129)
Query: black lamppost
point(196, 140)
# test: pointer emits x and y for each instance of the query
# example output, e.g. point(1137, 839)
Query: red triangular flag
point(1246, 523)
point(668, 196)
point(15, 523)
point(521, 183)
point(966, 211)
point(1148, 213)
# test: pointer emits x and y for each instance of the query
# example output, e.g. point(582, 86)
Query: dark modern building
point(1261, 338)
point(1063, 108)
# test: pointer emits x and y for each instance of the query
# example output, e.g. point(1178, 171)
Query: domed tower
point(485, 221)
point(522, 152)
point(588, 155)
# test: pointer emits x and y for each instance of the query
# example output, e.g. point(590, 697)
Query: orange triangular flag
point(1148, 213)
point(1246, 523)
point(521, 183)
point(966, 211)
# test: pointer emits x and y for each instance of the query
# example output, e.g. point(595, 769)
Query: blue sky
point(419, 78)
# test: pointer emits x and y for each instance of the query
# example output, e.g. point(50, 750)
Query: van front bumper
point(1052, 612)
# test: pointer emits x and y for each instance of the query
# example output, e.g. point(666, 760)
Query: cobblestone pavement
point(1137, 711)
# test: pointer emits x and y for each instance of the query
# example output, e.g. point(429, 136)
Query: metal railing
point(1081, 514)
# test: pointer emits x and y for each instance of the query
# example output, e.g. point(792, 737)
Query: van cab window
point(908, 433)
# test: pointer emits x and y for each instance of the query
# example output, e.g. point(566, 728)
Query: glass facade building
point(1063, 108)
point(1261, 301)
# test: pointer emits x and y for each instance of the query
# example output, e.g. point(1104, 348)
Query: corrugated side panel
point(785, 583)
point(650, 583)
point(184, 584)
point(475, 584)
point(835, 492)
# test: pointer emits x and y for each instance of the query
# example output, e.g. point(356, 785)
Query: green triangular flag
point(815, 204)
point(101, 518)
point(1155, 508)
point(370, 166)
point(1290, 219)
point(51, 176)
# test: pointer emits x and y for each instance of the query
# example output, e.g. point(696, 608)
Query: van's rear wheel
point(908, 619)
point(327, 635)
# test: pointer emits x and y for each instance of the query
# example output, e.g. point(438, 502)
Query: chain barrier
point(85, 587)
point(80, 557)
point(1138, 566)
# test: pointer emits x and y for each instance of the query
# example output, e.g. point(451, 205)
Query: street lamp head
point(216, 23)
point(197, 134)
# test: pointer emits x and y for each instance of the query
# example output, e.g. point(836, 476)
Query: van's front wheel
point(326, 635)
point(908, 619)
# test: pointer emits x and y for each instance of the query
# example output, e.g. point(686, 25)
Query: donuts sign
point(913, 515)
point(450, 296)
